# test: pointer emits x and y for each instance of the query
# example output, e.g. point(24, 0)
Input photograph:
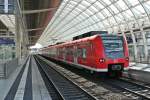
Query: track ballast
point(59, 87)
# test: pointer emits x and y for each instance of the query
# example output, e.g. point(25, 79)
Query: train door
point(64, 53)
point(75, 56)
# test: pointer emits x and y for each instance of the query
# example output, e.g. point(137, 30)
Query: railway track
point(60, 87)
point(135, 89)
point(91, 87)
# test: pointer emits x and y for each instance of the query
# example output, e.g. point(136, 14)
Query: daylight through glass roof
point(76, 17)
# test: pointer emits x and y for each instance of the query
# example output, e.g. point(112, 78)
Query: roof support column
point(18, 39)
point(18, 33)
point(135, 45)
point(144, 43)
point(21, 33)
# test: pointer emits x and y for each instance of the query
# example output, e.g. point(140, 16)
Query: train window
point(83, 53)
point(148, 56)
point(57, 52)
point(113, 47)
point(69, 51)
point(61, 51)
point(79, 52)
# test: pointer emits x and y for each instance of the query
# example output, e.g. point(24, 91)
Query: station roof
point(75, 17)
point(37, 14)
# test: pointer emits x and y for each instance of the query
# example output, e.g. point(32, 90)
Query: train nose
point(115, 61)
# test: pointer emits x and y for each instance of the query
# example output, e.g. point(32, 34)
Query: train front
point(116, 54)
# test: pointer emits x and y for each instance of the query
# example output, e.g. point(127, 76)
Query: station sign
point(6, 41)
point(7, 6)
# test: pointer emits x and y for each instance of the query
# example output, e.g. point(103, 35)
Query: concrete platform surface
point(139, 66)
point(138, 71)
point(38, 90)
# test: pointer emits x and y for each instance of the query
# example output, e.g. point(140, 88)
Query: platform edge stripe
point(40, 79)
point(35, 80)
point(12, 92)
point(28, 87)
point(21, 87)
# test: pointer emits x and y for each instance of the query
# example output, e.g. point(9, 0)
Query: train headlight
point(102, 60)
point(127, 58)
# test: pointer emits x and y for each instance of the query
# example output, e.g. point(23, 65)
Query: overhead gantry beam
point(35, 29)
point(3, 30)
point(38, 11)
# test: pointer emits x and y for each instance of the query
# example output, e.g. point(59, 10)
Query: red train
point(98, 53)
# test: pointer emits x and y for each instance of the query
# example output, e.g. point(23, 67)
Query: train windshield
point(113, 46)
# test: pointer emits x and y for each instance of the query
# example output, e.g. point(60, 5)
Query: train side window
point(79, 52)
point(69, 51)
point(83, 53)
point(57, 51)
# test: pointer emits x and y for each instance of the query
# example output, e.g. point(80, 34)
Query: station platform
point(138, 71)
point(140, 66)
point(25, 83)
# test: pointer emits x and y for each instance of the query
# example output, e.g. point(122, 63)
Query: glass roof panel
point(128, 14)
point(114, 9)
point(73, 2)
point(120, 17)
point(76, 0)
point(77, 16)
point(81, 7)
point(91, 1)
point(122, 5)
point(93, 9)
point(85, 3)
point(95, 18)
point(138, 10)
point(106, 1)
point(133, 2)
point(112, 20)
point(100, 15)
point(89, 12)
point(106, 12)
point(147, 6)
point(98, 5)
point(147, 2)
point(106, 23)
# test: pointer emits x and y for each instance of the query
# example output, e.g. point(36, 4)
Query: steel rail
point(66, 87)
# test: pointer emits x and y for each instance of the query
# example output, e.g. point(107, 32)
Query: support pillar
point(144, 43)
point(135, 45)
point(18, 38)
